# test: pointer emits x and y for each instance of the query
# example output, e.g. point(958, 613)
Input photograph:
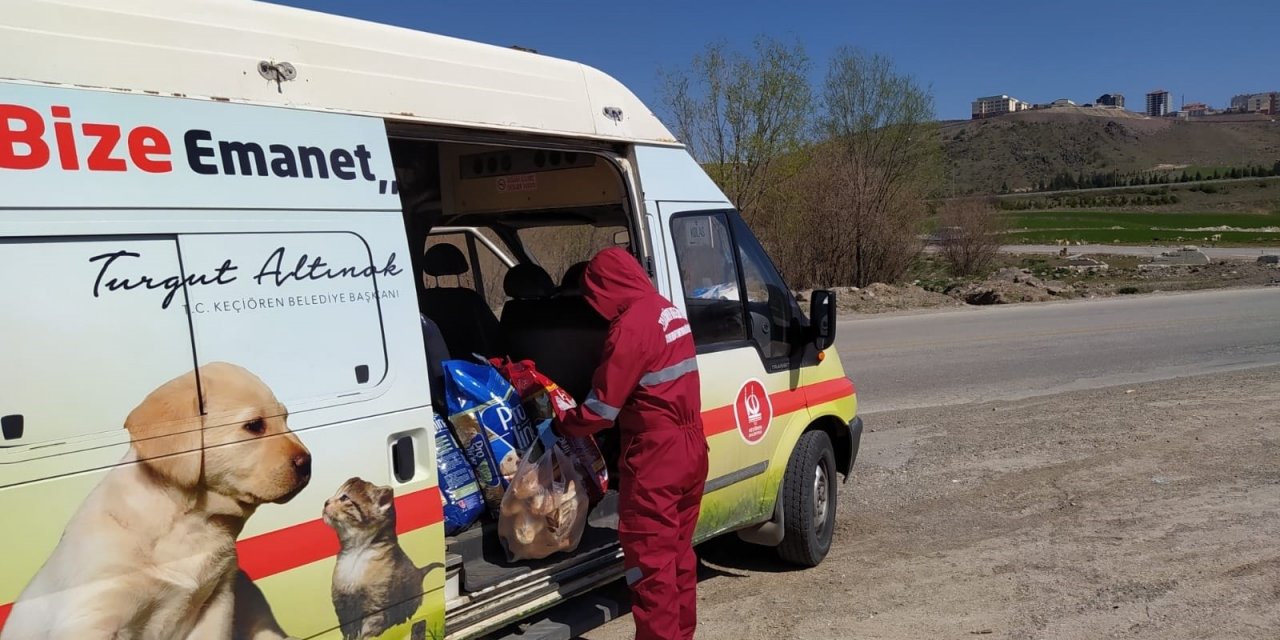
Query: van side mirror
point(822, 318)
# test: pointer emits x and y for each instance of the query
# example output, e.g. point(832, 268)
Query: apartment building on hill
point(997, 105)
point(1159, 104)
point(1110, 100)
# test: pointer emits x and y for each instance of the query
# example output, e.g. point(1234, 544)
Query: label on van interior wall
point(81, 148)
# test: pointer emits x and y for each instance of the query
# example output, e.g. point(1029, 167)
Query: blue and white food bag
point(491, 424)
point(459, 490)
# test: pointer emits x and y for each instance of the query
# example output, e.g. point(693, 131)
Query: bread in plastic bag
point(544, 510)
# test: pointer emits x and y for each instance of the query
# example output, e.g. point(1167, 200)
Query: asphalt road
point(1214, 253)
point(1020, 351)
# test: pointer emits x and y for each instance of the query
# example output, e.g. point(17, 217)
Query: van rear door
point(142, 237)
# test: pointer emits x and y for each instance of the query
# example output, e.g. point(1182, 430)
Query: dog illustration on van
point(151, 553)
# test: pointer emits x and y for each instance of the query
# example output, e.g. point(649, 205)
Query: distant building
point(1195, 109)
point(997, 106)
point(1111, 100)
point(1062, 102)
point(1159, 104)
point(1267, 102)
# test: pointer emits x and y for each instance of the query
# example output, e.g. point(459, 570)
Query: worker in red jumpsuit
point(647, 381)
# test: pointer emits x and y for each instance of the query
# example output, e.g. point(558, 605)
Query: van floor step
point(573, 617)
point(485, 562)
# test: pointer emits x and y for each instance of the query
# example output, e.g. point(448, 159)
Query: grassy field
point(1109, 227)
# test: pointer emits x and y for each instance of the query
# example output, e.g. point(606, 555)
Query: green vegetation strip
point(1135, 228)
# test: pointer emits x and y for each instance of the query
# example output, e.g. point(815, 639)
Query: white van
point(221, 224)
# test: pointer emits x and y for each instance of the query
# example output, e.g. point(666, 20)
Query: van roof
point(212, 49)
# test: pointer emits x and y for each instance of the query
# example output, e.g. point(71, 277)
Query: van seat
point(564, 337)
point(571, 281)
point(528, 281)
point(525, 284)
point(465, 319)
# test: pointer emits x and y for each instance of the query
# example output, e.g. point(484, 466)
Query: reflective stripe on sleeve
point(595, 404)
point(670, 373)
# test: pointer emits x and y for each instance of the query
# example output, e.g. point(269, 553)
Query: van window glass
point(299, 310)
point(771, 308)
point(89, 327)
point(485, 270)
point(560, 247)
point(709, 276)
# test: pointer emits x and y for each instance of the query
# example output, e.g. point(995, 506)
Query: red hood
point(613, 280)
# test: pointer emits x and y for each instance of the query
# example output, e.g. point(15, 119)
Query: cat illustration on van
point(151, 552)
point(376, 585)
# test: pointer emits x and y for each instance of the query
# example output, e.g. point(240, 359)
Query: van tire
point(810, 516)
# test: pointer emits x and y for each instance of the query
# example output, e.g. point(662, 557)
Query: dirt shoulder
point(1018, 279)
point(1150, 511)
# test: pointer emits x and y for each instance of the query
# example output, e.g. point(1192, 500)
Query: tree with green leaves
point(743, 115)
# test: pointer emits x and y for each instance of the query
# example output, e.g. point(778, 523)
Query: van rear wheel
point(809, 501)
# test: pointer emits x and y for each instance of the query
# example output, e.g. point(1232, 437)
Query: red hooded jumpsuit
point(647, 380)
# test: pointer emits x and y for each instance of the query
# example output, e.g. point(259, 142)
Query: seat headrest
point(444, 260)
point(571, 281)
point(527, 281)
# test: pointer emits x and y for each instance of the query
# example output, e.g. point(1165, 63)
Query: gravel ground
point(1148, 511)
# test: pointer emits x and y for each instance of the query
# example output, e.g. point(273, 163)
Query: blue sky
point(1035, 50)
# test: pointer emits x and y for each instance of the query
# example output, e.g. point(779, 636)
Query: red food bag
point(543, 400)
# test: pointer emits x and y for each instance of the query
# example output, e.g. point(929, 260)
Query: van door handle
point(402, 464)
point(12, 426)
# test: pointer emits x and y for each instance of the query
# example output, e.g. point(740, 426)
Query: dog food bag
point(545, 509)
point(544, 400)
point(459, 489)
point(490, 422)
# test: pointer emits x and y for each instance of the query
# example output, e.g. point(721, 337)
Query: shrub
point(974, 235)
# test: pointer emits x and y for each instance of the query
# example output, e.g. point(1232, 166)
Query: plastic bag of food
point(543, 400)
point(545, 509)
point(490, 423)
point(459, 490)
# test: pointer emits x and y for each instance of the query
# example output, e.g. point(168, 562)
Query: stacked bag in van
point(490, 422)
point(545, 400)
point(538, 486)
point(545, 510)
point(460, 493)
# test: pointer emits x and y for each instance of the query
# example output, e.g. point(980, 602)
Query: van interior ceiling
point(502, 235)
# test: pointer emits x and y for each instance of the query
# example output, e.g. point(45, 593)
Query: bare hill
point(1018, 150)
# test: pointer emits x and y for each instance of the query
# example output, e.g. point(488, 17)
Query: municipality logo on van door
point(101, 146)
